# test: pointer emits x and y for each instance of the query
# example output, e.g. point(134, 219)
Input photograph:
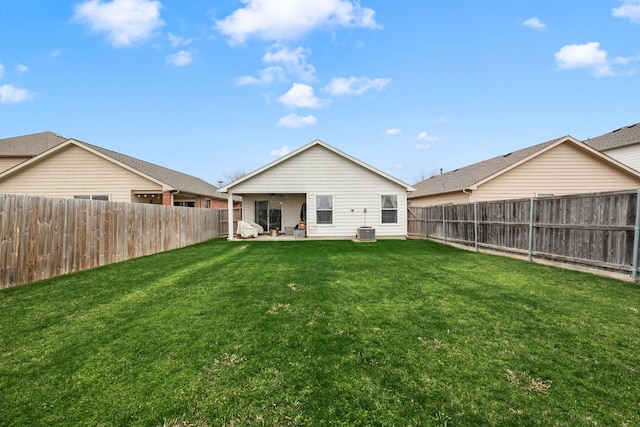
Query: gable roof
point(304, 148)
point(29, 145)
point(472, 176)
point(626, 135)
point(44, 144)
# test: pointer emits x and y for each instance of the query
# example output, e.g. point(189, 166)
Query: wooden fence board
point(45, 237)
point(590, 229)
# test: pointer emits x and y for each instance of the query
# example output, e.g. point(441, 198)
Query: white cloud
point(626, 60)
point(20, 68)
point(293, 61)
point(281, 152)
point(266, 76)
point(295, 121)
point(423, 136)
point(1, 71)
point(534, 23)
point(302, 96)
point(354, 86)
point(393, 131)
point(629, 9)
point(291, 19)
point(178, 41)
point(125, 21)
point(180, 59)
point(56, 53)
point(399, 165)
point(423, 146)
point(587, 56)
point(10, 94)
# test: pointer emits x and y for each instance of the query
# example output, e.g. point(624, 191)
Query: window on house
point(185, 203)
point(207, 203)
point(103, 197)
point(390, 209)
point(324, 209)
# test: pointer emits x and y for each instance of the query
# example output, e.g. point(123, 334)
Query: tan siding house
point(557, 167)
point(50, 165)
point(340, 194)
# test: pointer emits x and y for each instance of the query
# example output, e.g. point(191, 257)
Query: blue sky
point(215, 88)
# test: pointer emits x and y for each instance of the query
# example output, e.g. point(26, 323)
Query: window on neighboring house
point(207, 203)
point(324, 209)
point(103, 197)
point(390, 209)
point(185, 203)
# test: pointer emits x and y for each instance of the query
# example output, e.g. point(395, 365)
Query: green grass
point(321, 333)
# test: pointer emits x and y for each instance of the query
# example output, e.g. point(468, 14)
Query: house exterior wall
point(9, 162)
point(440, 199)
point(629, 155)
point(565, 169)
point(319, 171)
point(214, 203)
point(76, 171)
point(290, 205)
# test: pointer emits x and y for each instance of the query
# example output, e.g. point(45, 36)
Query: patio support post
point(230, 215)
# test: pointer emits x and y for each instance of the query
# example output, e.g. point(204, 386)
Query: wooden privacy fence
point(45, 237)
point(596, 230)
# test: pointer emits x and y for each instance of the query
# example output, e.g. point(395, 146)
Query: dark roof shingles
point(618, 138)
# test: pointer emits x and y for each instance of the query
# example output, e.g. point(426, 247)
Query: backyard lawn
point(321, 333)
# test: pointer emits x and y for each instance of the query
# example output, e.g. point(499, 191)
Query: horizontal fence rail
point(597, 230)
point(44, 237)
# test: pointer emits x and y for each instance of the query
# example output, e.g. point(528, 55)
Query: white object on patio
point(246, 230)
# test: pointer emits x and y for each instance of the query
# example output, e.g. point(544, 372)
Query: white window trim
point(333, 211)
point(389, 224)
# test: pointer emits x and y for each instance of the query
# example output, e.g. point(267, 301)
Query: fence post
point(475, 224)
point(531, 207)
point(636, 237)
point(444, 228)
point(426, 223)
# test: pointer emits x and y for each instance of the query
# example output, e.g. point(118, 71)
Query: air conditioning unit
point(366, 233)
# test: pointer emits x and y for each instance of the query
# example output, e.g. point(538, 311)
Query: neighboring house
point(622, 144)
point(333, 192)
point(557, 167)
point(50, 165)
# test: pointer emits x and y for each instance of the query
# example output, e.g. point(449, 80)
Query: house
point(557, 167)
point(622, 144)
point(50, 165)
point(333, 193)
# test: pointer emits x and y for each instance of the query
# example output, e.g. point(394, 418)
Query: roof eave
point(225, 189)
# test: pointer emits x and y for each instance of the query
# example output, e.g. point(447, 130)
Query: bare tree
point(231, 176)
point(423, 174)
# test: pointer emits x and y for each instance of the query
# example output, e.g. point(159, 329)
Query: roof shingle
point(626, 135)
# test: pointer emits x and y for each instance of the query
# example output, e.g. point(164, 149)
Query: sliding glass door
point(269, 214)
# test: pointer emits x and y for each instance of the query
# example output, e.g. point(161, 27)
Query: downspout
point(466, 191)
